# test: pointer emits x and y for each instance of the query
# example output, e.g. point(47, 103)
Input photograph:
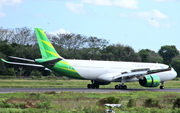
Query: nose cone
point(173, 73)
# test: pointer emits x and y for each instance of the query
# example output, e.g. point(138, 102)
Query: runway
point(103, 90)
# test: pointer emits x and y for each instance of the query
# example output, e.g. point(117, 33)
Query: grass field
point(15, 83)
point(77, 102)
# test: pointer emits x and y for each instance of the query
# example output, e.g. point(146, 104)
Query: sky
point(141, 24)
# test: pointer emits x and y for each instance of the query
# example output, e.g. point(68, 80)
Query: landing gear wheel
point(96, 86)
point(93, 86)
point(116, 87)
point(161, 87)
point(120, 87)
point(89, 86)
point(124, 87)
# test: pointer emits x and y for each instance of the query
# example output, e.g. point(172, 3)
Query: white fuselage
point(91, 69)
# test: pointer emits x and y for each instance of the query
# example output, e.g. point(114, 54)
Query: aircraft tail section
point(46, 48)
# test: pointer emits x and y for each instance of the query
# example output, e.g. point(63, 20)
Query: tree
point(70, 42)
point(148, 55)
point(23, 36)
point(5, 34)
point(118, 52)
point(168, 52)
point(6, 49)
point(144, 54)
point(10, 72)
point(78, 46)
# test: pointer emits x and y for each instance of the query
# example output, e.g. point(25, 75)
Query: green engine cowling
point(150, 81)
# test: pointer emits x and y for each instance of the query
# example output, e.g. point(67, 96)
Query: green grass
point(77, 102)
point(14, 83)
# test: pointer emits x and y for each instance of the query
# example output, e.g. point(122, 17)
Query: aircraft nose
point(174, 73)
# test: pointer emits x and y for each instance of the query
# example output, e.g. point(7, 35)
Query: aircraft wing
point(25, 64)
point(138, 73)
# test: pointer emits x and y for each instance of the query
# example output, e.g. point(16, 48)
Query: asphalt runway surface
point(103, 90)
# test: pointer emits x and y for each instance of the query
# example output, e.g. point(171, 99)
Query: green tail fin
point(46, 48)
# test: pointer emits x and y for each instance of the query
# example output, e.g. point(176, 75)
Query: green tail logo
point(46, 48)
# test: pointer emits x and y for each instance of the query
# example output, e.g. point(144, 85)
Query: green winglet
point(4, 60)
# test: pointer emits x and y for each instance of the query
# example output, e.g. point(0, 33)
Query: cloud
point(154, 23)
point(60, 31)
point(154, 18)
point(155, 14)
point(130, 4)
point(158, 24)
point(76, 8)
point(8, 3)
point(165, 0)
point(98, 2)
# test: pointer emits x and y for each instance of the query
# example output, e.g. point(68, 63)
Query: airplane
point(99, 72)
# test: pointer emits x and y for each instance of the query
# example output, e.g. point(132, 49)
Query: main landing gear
point(162, 85)
point(93, 85)
point(122, 86)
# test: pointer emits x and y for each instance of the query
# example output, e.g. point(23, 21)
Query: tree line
point(22, 42)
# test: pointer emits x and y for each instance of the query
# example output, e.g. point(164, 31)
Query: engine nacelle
point(150, 81)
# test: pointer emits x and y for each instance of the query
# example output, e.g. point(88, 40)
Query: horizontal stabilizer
point(25, 64)
point(22, 59)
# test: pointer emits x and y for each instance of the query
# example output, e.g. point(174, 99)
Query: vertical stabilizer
point(46, 48)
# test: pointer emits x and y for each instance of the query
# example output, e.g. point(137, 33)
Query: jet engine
point(150, 81)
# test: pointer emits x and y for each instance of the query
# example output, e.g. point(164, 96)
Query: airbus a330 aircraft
point(99, 72)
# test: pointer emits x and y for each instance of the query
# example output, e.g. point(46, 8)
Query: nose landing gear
point(162, 85)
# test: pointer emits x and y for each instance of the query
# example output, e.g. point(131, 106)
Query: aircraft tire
point(116, 87)
point(120, 87)
point(96, 86)
point(124, 87)
point(93, 86)
point(89, 86)
point(161, 87)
